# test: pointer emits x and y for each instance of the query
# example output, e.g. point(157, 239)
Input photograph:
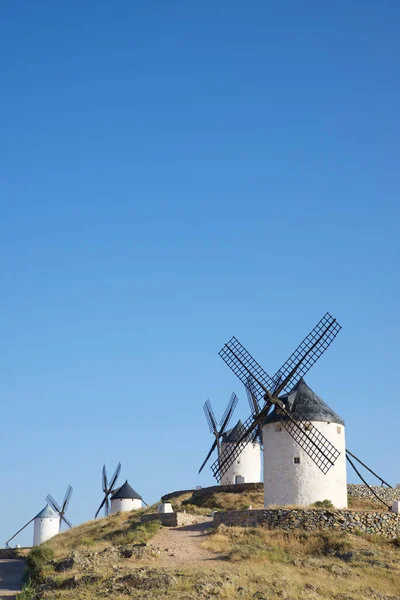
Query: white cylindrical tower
point(125, 499)
point(247, 466)
point(45, 526)
point(290, 474)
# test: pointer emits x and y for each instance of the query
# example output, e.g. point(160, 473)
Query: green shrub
point(138, 534)
point(396, 542)
point(323, 504)
point(37, 559)
point(28, 592)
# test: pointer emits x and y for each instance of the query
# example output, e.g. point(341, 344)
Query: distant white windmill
point(126, 499)
point(47, 523)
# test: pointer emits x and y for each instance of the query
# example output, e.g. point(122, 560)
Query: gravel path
point(182, 545)
point(11, 572)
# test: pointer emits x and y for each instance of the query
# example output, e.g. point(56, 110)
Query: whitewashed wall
point(125, 505)
point(288, 483)
point(44, 529)
point(247, 465)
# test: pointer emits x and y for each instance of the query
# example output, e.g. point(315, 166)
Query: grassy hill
point(118, 558)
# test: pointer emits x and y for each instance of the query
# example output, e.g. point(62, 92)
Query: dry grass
point(118, 529)
point(204, 505)
point(230, 501)
point(360, 504)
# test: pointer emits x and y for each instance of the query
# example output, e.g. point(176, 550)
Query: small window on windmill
point(296, 460)
point(339, 429)
point(278, 427)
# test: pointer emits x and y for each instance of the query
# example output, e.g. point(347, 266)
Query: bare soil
point(183, 545)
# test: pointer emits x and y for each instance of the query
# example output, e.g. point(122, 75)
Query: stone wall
point(362, 492)
point(383, 523)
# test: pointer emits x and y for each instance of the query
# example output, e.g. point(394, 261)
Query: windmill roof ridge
point(304, 400)
point(231, 434)
point(47, 513)
point(126, 491)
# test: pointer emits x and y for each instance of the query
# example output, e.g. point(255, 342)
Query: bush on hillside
point(37, 559)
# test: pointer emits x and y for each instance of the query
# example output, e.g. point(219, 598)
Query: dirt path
point(182, 545)
point(11, 571)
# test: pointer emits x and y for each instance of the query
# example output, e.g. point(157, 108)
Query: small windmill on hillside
point(47, 523)
point(247, 467)
point(61, 510)
point(108, 489)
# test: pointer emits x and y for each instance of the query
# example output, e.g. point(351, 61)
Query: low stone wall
point(382, 523)
point(362, 492)
point(175, 519)
point(170, 495)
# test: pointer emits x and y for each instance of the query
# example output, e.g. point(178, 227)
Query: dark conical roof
point(303, 400)
point(232, 434)
point(126, 491)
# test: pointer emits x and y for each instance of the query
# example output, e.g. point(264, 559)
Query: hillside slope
point(118, 558)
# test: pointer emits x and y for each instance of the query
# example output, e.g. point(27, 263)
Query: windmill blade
point(243, 364)
point(104, 478)
point(67, 498)
point(208, 411)
point(232, 451)
point(251, 396)
point(64, 518)
point(254, 408)
point(107, 507)
point(228, 412)
point(307, 353)
point(208, 455)
point(114, 477)
point(101, 506)
point(19, 531)
point(53, 503)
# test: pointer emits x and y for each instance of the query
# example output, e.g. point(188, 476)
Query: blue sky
point(172, 174)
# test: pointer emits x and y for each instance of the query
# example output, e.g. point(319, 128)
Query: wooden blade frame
point(212, 424)
point(208, 411)
point(114, 478)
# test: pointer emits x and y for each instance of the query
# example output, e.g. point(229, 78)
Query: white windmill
point(247, 466)
point(303, 439)
point(290, 474)
point(125, 499)
point(47, 523)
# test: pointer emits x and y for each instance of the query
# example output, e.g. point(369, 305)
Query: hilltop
point(119, 558)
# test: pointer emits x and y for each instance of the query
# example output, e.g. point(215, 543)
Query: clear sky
point(173, 173)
